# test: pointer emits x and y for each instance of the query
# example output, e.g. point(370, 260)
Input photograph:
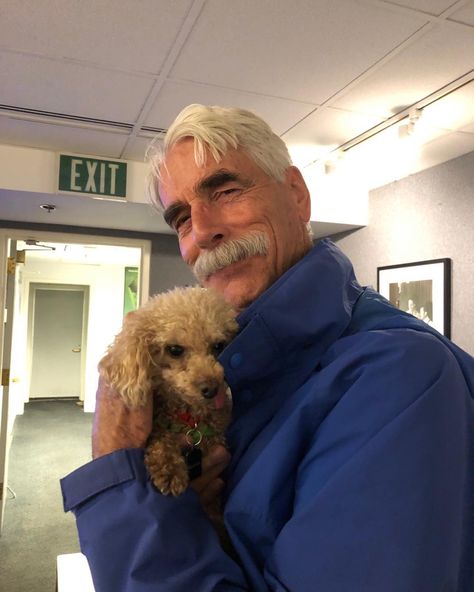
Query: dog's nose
point(209, 391)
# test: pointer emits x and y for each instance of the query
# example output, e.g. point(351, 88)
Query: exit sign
point(93, 176)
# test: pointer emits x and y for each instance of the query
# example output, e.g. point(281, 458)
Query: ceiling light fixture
point(408, 129)
point(395, 120)
point(333, 162)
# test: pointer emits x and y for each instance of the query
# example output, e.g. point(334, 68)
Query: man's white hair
point(217, 129)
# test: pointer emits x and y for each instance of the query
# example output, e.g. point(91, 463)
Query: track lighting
point(408, 129)
point(333, 162)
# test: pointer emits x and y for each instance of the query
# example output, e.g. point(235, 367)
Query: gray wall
point(167, 269)
point(429, 215)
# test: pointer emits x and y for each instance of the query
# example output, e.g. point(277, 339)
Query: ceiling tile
point(280, 114)
point(434, 7)
point(296, 50)
point(137, 148)
point(60, 137)
point(452, 112)
point(464, 15)
point(128, 35)
point(436, 59)
point(71, 88)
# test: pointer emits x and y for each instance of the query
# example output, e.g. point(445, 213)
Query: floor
point(50, 440)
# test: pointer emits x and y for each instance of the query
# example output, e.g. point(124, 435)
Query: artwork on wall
point(423, 289)
point(130, 295)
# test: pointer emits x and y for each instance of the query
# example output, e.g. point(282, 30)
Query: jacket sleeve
point(383, 500)
point(137, 540)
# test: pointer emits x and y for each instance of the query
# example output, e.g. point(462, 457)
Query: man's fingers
point(209, 493)
point(200, 483)
point(212, 466)
point(219, 455)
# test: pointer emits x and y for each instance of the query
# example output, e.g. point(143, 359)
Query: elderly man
point(351, 445)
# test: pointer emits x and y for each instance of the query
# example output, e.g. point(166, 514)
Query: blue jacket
point(352, 458)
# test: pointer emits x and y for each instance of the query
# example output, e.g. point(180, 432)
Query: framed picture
point(130, 290)
point(423, 289)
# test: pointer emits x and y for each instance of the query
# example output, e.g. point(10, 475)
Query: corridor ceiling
point(103, 77)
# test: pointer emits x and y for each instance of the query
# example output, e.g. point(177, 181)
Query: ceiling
point(103, 77)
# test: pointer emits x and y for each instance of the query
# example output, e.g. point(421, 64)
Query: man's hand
point(209, 485)
point(117, 426)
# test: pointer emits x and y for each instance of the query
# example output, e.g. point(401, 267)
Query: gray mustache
point(232, 251)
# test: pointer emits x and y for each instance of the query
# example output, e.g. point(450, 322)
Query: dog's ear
point(129, 365)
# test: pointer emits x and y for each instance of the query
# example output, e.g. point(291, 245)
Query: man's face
point(224, 201)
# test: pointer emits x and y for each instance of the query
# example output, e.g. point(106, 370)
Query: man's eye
point(175, 351)
point(181, 222)
point(230, 192)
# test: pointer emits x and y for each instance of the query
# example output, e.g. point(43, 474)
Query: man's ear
point(300, 192)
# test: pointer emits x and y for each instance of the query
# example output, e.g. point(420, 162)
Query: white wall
point(42, 167)
point(104, 320)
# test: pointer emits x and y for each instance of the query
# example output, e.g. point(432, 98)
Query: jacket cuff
point(102, 474)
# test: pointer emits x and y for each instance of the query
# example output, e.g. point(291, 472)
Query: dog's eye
point(176, 351)
point(218, 348)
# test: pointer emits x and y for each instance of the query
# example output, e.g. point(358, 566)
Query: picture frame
point(130, 289)
point(422, 288)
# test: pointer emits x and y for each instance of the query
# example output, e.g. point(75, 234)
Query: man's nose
point(208, 227)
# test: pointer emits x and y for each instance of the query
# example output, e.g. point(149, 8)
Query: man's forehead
point(180, 166)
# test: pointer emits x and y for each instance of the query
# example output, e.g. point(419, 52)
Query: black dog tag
point(193, 457)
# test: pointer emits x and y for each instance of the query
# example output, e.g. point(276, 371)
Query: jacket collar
point(284, 333)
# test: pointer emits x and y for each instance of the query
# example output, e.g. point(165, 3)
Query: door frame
point(7, 293)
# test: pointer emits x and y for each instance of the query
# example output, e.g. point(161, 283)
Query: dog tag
point(193, 457)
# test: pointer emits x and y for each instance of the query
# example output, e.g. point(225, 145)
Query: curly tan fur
point(167, 349)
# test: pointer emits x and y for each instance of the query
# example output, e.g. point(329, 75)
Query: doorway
point(57, 338)
point(92, 268)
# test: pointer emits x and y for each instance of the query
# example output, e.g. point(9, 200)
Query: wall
point(167, 269)
point(429, 215)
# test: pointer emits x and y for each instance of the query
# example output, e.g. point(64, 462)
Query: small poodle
point(167, 349)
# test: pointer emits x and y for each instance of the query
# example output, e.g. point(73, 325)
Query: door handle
point(76, 350)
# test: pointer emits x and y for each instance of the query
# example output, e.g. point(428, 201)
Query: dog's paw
point(167, 468)
point(171, 484)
